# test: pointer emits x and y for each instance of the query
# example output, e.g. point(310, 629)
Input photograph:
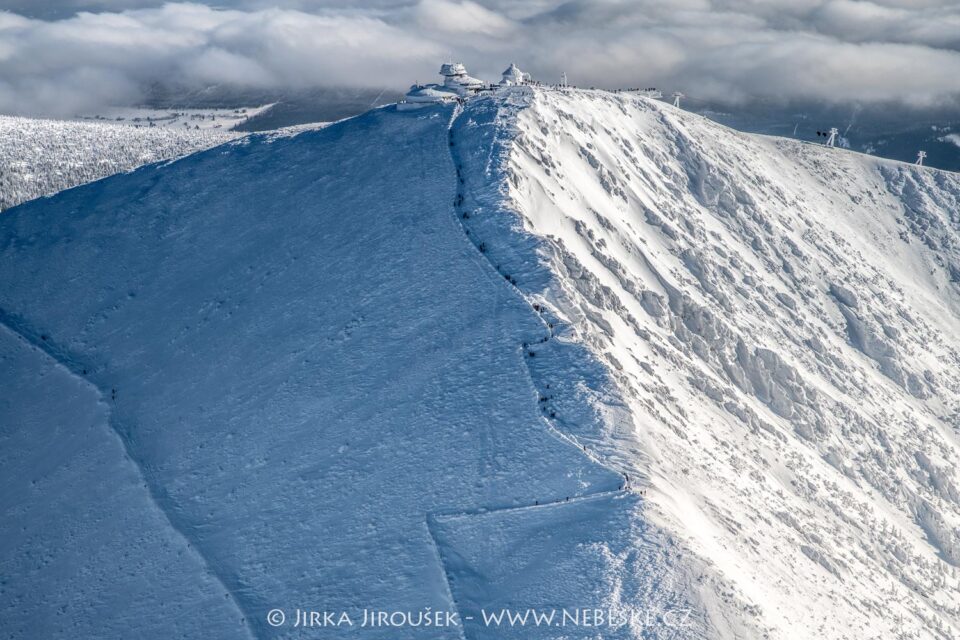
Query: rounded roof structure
point(464, 81)
point(453, 69)
point(429, 93)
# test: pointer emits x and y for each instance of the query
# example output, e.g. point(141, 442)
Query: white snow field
point(40, 157)
point(409, 361)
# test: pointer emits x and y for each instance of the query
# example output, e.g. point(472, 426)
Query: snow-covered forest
point(41, 157)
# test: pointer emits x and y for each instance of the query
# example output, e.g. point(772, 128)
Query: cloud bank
point(905, 51)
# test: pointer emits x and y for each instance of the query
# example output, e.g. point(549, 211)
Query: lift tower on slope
point(676, 98)
point(920, 156)
point(833, 137)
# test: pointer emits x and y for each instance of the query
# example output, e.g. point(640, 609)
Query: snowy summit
point(457, 85)
point(536, 349)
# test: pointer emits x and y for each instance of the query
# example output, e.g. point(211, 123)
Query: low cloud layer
point(731, 50)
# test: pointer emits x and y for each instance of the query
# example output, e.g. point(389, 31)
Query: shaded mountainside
point(412, 360)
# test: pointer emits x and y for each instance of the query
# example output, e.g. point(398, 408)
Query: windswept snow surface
point(80, 528)
point(409, 360)
point(312, 368)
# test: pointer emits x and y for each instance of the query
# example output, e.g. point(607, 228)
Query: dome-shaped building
point(452, 69)
point(421, 95)
point(455, 77)
point(457, 84)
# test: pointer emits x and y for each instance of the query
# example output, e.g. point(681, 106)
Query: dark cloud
point(843, 50)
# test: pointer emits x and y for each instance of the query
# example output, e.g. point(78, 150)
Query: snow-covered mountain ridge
point(781, 320)
point(411, 359)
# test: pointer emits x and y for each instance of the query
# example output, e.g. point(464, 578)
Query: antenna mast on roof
point(920, 156)
point(676, 98)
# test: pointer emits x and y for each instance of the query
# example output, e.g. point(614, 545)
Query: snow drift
point(558, 349)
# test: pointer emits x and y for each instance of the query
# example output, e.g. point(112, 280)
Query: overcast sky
point(60, 57)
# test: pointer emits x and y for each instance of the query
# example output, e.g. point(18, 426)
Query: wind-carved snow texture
point(522, 563)
point(367, 366)
point(316, 372)
point(780, 320)
point(41, 157)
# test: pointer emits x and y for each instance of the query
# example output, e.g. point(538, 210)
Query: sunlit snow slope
point(782, 320)
point(410, 360)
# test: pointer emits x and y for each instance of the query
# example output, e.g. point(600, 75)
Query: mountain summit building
point(457, 85)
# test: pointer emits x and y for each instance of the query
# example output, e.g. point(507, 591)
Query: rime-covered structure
point(457, 84)
point(456, 79)
point(512, 76)
point(421, 95)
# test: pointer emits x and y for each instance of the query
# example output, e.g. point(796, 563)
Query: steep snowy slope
point(322, 383)
point(40, 157)
point(782, 321)
point(555, 350)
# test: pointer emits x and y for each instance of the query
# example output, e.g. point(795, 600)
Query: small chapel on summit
point(513, 76)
